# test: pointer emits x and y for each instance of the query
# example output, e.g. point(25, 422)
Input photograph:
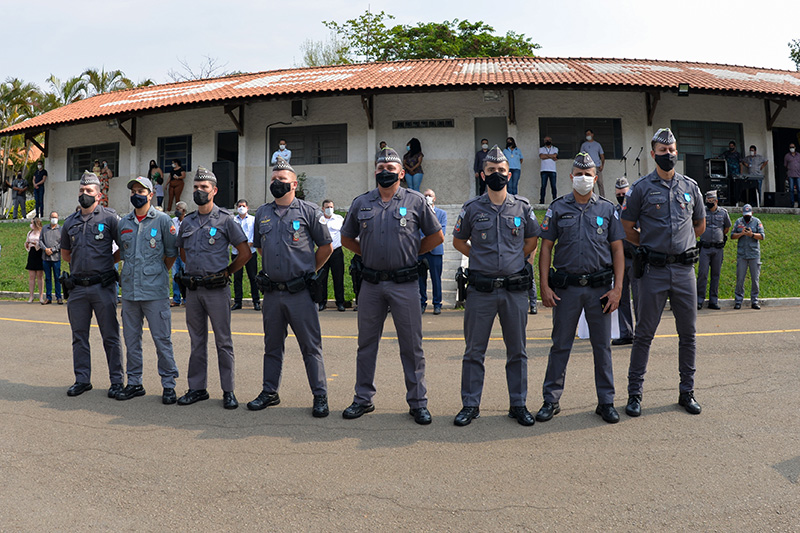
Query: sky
point(148, 38)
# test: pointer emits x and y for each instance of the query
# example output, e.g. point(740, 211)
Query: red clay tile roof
point(426, 75)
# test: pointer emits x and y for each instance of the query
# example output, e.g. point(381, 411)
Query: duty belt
point(401, 275)
point(658, 259)
point(561, 280)
point(85, 281)
point(515, 282)
point(704, 244)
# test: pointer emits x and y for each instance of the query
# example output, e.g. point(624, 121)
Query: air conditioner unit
point(299, 109)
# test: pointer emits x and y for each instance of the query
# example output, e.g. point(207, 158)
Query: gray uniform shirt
point(666, 211)
point(143, 246)
point(583, 233)
point(716, 223)
point(748, 247)
point(206, 241)
point(287, 242)
point(497, 233)
point(89, 241)
point(50, 238)
point(389, 233)
point(627, 245)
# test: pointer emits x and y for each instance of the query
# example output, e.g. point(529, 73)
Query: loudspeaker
point(225, 171)
point(777, 199)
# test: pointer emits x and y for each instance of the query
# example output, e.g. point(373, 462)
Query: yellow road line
point(354, 337)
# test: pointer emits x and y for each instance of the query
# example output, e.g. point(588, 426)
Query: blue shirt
point(514, 158)
point(286, 154)
point(143, 246)
point(441, 216)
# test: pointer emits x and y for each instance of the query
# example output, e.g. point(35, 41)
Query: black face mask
point(509, 145)
point(386, 179)
point(666, 162)
point(496, 181)
point(279, 188)
point(620, 199)
point(710, 205)
point(139, 200)
point(178, 213)
point(547, 143)
point(201, 197)
point(747, 218)
point(86, 200)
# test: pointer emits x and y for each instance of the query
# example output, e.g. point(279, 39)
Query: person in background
point(282, 151)
point(791, 162)
point(34, 266)
point(50, 245)
point(630, 284)
point(412, 163)
point(335, 262)
point(733, 159)
point(477, 167)
point(39, 177)
point(177, 295)
point(105, 181)
point(156, 177)
point(177, 177)
point(434, 258)
point(755, 163)
point(595, 151)
point(381, 146)
point(748, 230)
point(246, 221)
point(548, 154)
point(712, 247)
point(20, 188)
point(514, 156)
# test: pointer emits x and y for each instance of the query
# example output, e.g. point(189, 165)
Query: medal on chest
point(100, 235)
point(212, 232)
point(296, 228)
point(517, 223)
point(153, 233)
point(600, 222)
point(403, 221)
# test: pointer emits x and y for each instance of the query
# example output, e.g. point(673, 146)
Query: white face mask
point(283, 147)
point(752, 152)
point(583, 184)
point(485, 146)
point(54, 221)
point(791, 150)
point(242, 210)
point(589, 138)
point(329, 212)
point(429, 200)
point(40, 167)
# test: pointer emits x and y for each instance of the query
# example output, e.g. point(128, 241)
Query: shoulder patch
point(549, 213)
point(172, 230)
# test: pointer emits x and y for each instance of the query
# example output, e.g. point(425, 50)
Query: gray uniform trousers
point(742, 265)
point(657, 284)
point(201, 305)
point(407, 316)
point(565, 322)
point(630, 287)
point(19, 206)
point(280, 310)
point(103, 301)
point(479, 312)
point(709, 257)
point(159, 320)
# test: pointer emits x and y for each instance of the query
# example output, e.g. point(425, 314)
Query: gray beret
point(495, 155)
point(664, 136)
point(89, 178)
point(388, 155)
point(203, 174)
point(583, 160)
point(711, 194)
point(282, 164)
point(621, 183)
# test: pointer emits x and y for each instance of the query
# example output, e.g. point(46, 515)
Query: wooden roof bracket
point(772, 117)
point(131, 135)
point(512, 107)
point(651, 100)
point(368, 101)
point(32, 138)
point(238, 122)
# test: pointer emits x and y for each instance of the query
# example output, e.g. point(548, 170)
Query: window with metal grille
point(311, 145)
point(428, 123)
point(82, 158)
point(178, 147)
point(707, 138)
point(569, 133)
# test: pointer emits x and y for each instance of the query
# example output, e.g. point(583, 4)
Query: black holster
point(318, 290)
point(461, 284)
point(356, 268)
point(639, 262)
point(263, 282)
point(66, 284)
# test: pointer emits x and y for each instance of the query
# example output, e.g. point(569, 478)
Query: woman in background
point(412, 163)
point(35, 267)
point(156, 177)
point(514, 156)
point(175, 187)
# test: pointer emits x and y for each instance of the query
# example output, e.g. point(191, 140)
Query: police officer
point(203, 243)
point(670, 212)
point(285, 234)
point(748, 231)
point(630, 284)
point(712, 245)
point(587, 234)
point(503, 230)
point(86, 239)
point(147, 249)
point(387, 221)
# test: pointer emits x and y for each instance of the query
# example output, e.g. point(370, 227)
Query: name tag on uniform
point(403, 221)
point(212, 232)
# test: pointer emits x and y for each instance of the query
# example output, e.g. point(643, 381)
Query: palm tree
point(100, 81)
point(70, 90)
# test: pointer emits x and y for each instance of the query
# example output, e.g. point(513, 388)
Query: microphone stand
point(638, 161)
point(625, 160)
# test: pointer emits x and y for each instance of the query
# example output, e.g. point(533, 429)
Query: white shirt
point(286, 154)
point(247, 223)
point(177, 223)
point(548, 165)
point(335, 228)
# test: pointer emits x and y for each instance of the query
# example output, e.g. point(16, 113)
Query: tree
point(794, 52)
point(70, 90)
point(365, 35)
point(100, 81)
point(334, 51)
point(210, 67)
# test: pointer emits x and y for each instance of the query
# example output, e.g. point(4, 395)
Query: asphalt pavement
point(91, 462)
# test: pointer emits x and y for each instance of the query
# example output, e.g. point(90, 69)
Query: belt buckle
point(583, 280)
point(498, 283)
point(281, 286)
point(671, 259)
point(383, 276)
point(84, 282)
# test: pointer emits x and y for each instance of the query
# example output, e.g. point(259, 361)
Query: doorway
point(226, 168)
point(781, 137)
point(495, 129)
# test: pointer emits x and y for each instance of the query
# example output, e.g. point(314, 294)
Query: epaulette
point(225, 211)
point(522, 199)
point(471, 200)
point(606, 199)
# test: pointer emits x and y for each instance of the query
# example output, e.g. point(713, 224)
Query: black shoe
point(699, 306)
point(78, 388)
point(356, 410)
point(533, 309)
point(548, 410)
point(256, 306)
point(607, 412)
point(437, 309)
point(320, 409)
point(466, 415)
point(192, 396)
point(622, 341)
point(229, 400)
point(737, 305)
point(322, 307)
point(114, 389)
point(634, 407)
point(755, 305)
point(130, 391)
point(713, 306)
point(423, 307)
point(521, 413)
point(687, 401)
point(236, 305)
point(264, 400)
point(60, 301)
point(340, 308)
point(421, 415)
point(168, 397)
